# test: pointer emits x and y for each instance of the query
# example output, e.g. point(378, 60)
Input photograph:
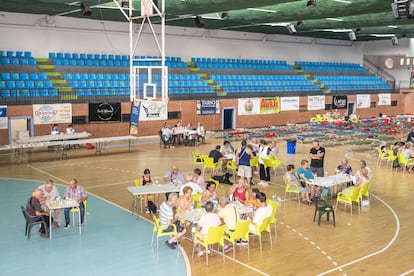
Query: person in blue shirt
point(305, 174)
point(410, 137)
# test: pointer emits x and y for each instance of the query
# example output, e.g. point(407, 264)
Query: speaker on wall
point(199, 21)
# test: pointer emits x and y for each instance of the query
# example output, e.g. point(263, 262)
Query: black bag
point(395, 164)
point(152, 207)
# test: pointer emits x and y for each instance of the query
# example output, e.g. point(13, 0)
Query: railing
point(378, 71)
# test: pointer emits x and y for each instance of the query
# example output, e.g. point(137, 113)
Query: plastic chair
point(365, 192)
point(77, 209)
point(159, 230)
point(404, 162)
point(273, 219)
point(241, 231)
point(209, 164)
point(321, 208)
point(259, 229)
point(30, 224)
point(291, 188)
point(232, 166)
point(352, 195)
point(140, 197)
point(254, 162)
point(197, 199)
point(391, 156)
point(381, 156)
point(272, 163)
point(197, 158)
point(215, 182)
point(215, 235)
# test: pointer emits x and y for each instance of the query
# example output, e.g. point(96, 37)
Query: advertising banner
point(208, 107)
point(134, 117)
point(104, 112)
point(52, 113)
point(289, 103)
point(269, 105)
point(316, 102)
point(363, 101)
point(151, 111)
point(249, 106)
point(384, 99)
point(3, 117)
point(339, 102)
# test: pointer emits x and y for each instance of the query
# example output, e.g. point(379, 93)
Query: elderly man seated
point(291, 178)
point(34, 209)
point(50, 192)
point(167, 220)
point(166, 135)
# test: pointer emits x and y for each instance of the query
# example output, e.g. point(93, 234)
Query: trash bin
point(291, 146)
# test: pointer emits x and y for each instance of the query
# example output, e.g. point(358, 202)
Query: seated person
point(291, 178)
point(362, 179)
point(305, 175)
point(196, 189)
point(216, 154)
point(70, 129)
point(166, 135)
point(227, 148)
point(34, 209)
point(167, 220)
point(78, 193)
point(345, 169)
point(264, 211)
point(201, 133)
point(210, 193)
point(228, 213)
point(174, 175)
point(239, 192)
point(198, 178)
point(185, 202)
point(207, 220)
point(253, 199)
point(147, 179)
point(50, 192)
point(54, 129)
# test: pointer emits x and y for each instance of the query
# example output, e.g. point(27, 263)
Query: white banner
point(384, 99)
point(250, 106)
point(3, 117)
point(151, 111)
point(289, 103)
point(363, 101)
point(316, 102)
point(52, 113)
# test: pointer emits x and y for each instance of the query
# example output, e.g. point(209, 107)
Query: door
point(228, 118)
point(351, 108)
point(20, 127)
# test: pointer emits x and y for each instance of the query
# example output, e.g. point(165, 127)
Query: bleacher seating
point(357, 82)
point(330, 66)
point(231, 63)
point(16, 58)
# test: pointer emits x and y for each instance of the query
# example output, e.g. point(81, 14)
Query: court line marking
point(116, 205)
point(407, 272)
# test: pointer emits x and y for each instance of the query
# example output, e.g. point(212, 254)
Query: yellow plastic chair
point(241, 231)
point(215, 235)
point(365, 192)
point(382, 156)
point(404, 162)
point(391, 157)
point(353, 194)
point(159, 230)
point(264, 227)
point(76, 210)
point(272, 163)
point(232, 166)
point(291, 188)
point(209, 164)
point(254, 162)
point(197, 200)
point(197, 158)
point(273, 219)
point(141, 197)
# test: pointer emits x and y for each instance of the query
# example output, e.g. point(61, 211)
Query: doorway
point(20, 127)
point(229, 121)
point(350, 108)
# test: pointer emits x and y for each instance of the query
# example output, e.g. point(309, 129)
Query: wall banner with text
point(270, 105)
point(134, 117)
point(52, 113)
point(208, 107)
point(384, 99)
point(3, 117)
point(104, 112)
point(316, 102)
point(339, 102)
point(151, 111)
point(363, 101)
point(289, 103)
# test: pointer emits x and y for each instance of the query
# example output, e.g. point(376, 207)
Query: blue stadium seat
point(27, 54)
point(67, 55)
point(57, 62)
point(34, 93)
point(59, 55)
point(5, 60)
point(20, 84)
point(33, 76)
point(44, 92)
point(5, 93)
point(43, 76)
point(30, 84)
point(2, 84)
point(5, 76)
point(53, 92)
point(39, 84)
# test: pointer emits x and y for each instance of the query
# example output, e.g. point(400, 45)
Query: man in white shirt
point(362, 164)
point(190, 183)
point(264, 211)
point(207, 220)
point(50, 192)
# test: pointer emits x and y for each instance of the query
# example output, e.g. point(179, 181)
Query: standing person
point(274, 151)
point(243, 156)
point(50, 192)
point(147, 179)
point(34, 209)
point(167, 220)
point(317, 156)
point(78, 193)
point(410, 136)
point(264, 173)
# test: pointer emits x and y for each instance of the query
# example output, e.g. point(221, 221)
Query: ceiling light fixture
point(392, 26)
point(394, 40)
point(225, 15)
point(343, 1)
point(125, 4)
point(261, 10)
point(334, 19)
point(382, 35)
point(291, 29)
point(352, 36)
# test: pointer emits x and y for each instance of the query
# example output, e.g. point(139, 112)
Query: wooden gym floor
point(377, 242)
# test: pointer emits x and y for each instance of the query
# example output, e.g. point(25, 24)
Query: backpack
point(152, 207)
